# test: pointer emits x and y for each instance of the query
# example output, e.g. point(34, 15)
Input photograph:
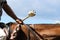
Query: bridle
point(14, 32)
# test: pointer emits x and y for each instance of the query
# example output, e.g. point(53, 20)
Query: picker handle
point(31, 14)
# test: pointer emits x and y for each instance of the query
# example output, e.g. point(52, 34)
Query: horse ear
point(2, 25)
point(10, 23)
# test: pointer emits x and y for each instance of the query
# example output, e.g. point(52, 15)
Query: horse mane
point(21, 35)
point(2, 25)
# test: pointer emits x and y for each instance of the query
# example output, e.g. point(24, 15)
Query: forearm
point(9, 11)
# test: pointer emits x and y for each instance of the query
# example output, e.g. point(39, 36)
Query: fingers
point(19, 21)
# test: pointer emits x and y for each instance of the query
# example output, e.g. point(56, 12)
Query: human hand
point(19, 21)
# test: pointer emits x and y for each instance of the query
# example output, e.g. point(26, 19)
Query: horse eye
point(17, 29)
point(14, 34)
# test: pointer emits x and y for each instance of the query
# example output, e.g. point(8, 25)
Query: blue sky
point(47, 11)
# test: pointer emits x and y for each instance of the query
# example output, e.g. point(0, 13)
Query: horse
point(15, 33)
point(46, 31)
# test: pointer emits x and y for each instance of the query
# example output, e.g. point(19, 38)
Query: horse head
point(13, 28)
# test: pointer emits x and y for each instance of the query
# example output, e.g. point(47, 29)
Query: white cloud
point(57, 22)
